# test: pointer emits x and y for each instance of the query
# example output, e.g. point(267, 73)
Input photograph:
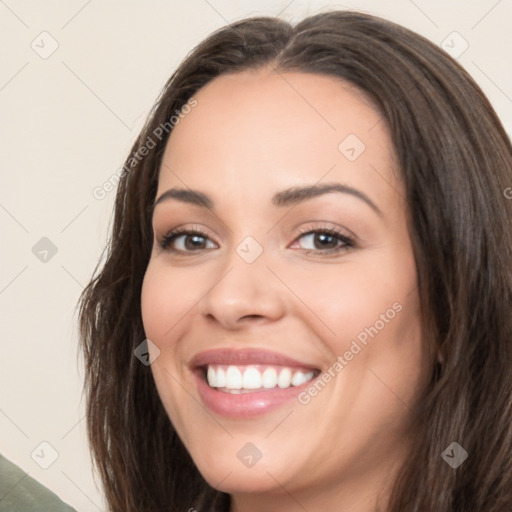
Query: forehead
point(265, 128)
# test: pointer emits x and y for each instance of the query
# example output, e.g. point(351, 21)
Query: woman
point(305, 302)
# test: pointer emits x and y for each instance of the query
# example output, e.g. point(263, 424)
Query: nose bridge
point(249, 250)
point(244, 288)
point(248, 274)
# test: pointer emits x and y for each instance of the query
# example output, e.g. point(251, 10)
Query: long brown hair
point(455, 160)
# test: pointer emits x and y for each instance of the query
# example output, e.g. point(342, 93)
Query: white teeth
point(211, 377)
point(285, 378)
point(221, 378)
point(235, 379)
point(252, 379)
point(299, 378)
point(269, 378)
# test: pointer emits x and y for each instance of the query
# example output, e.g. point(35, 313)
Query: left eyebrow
point(284, 198)
point(296, 195)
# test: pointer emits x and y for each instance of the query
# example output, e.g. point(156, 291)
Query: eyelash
point(346, 241)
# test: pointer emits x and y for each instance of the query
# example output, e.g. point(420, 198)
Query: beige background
point(67, 122)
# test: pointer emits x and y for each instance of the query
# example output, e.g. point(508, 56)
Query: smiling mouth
point(241, 384)
point(241, 379)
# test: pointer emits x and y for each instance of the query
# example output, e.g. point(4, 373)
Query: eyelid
point(328, 227)
point(324, 225)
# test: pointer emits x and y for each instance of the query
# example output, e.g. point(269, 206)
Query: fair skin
point(254, 134)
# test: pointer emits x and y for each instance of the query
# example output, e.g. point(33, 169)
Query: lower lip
point(246, 405)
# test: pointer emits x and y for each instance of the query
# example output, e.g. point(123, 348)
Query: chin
point(228, 474)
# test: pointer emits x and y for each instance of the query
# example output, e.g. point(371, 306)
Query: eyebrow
point(288, 197)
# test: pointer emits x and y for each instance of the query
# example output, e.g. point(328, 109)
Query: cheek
point(375, 312)
point(166, 297)
point(344, 300)
point(155, 302)
point(163, 304)
point(368, 310)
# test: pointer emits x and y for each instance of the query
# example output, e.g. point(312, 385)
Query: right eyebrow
point(185, 196)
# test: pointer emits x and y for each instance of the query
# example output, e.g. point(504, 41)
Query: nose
point(243, 294)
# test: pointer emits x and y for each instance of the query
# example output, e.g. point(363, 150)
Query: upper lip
point(230, 356)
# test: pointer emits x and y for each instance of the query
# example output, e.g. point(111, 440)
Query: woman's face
point(299, 266)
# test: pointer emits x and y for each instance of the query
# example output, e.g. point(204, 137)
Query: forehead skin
point(257, 131)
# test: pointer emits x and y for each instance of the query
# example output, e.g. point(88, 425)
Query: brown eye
point(322, 241)
point(186, 241)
